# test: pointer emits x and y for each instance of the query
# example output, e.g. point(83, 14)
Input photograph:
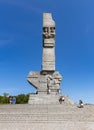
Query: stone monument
point(47, 80)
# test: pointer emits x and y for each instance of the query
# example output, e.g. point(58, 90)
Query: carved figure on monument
point(48, 32)
point(47, 78)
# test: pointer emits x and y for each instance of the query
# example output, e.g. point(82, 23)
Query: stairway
point(46, 117)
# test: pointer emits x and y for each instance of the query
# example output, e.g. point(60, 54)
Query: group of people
point(62, 99)
point(12, 100)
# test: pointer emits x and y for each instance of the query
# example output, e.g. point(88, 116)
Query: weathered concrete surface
point(48, 99)
point(47, 79)
point(48, 59)
point(46, 117)
point(44, 82)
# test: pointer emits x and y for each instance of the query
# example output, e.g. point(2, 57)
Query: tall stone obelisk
point(47, 79)
point(48, 59)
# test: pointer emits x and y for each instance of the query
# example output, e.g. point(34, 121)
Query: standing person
point(10, 99)
point(48, 91)
point(14, 100)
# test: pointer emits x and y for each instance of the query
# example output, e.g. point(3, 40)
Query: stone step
point(46, 117)
point(70, 125)
point(44, 108)
point(48, 99)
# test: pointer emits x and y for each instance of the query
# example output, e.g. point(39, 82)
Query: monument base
point(48, 99)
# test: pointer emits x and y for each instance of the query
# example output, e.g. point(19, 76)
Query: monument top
point(47, 20)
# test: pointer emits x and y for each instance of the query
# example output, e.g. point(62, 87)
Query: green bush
point(20, 99)
point(4, 99)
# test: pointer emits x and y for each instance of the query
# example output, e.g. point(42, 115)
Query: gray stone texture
point(46, 117)
point(48, 59)
point(47, 79)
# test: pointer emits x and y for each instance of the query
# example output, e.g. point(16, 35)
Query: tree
point(22, 98)
point(4, 99)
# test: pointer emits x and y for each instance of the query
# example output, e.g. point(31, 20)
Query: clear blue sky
point(21, 45)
